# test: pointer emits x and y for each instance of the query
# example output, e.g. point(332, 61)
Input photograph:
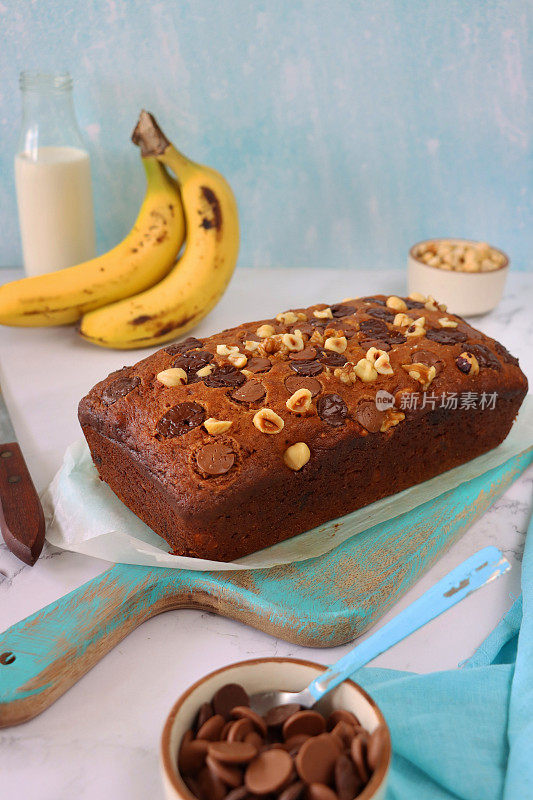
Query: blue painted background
point(348, 129)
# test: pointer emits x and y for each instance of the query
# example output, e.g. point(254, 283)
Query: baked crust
point(249, 498)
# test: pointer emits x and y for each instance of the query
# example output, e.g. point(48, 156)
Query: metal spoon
point(483, 567)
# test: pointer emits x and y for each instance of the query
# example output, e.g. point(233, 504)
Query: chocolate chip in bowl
point(237, 734)
point(215, 746)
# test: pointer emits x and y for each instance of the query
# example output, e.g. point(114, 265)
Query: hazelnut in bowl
point(216, 747)
point(467, 276)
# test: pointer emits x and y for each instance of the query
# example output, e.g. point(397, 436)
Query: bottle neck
point(48, 115)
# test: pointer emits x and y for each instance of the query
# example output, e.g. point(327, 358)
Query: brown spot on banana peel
point(141, 319)
point(213, 201)
point(169, 326)
point(167, 329)
point(172, 326)
point(44, 310)
point(90, 338)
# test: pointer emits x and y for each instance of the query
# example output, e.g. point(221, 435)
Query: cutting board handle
point(45, 654)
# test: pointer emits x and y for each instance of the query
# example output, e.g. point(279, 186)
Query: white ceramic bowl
point(264, 674)
point(465, 293)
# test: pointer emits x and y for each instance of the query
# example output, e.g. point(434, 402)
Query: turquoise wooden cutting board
point(321, 602)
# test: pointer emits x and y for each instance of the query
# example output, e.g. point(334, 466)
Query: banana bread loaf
point(232, 443)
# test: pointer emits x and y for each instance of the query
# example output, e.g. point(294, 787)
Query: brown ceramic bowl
point(266, 674)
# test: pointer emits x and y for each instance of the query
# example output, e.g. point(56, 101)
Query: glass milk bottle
point(52, 177)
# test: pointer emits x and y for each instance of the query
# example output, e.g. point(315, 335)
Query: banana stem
point(153, 143)
point(148, 135)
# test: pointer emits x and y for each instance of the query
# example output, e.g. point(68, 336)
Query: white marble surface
point(100, 740)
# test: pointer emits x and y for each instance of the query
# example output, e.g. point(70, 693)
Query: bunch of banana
point(140, 260)
point(200, 276)
point(138, 294)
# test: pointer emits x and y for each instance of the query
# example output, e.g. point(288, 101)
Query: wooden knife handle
point(21, 513)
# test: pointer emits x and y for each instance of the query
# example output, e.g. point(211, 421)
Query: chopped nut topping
point(214, 426)
point(332, 332)
point(365, 370)
point(419, 298)
point(297, 455)
point(272, 344)
point(251, 346)
point(324, 314)
point(348, 299)
point(431, 304)
point(224, 350)
point(382, 365)
point(346, 374)
point(380, 360)
point(175, 376)
point(302, 316)
point(417, 328)
point(267, 421)
point(238, 360)
point(392, 419)
point(396, 303)
point(293, 341)
point(264, 331)
point(286, 318)
point(205, 371)
point(336, 343)
point(316, 337)
point(422, 373)
point(445, 322)
point(300, 401)
point(401, 320)
point(468, 363)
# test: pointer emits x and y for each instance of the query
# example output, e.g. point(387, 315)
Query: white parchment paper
point(85, 516)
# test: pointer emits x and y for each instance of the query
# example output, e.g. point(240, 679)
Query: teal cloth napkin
point(467, 733)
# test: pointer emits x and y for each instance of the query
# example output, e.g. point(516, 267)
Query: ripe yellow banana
point(140, 260)
point(202, 273)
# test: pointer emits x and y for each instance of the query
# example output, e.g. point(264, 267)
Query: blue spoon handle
point(481, 568)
